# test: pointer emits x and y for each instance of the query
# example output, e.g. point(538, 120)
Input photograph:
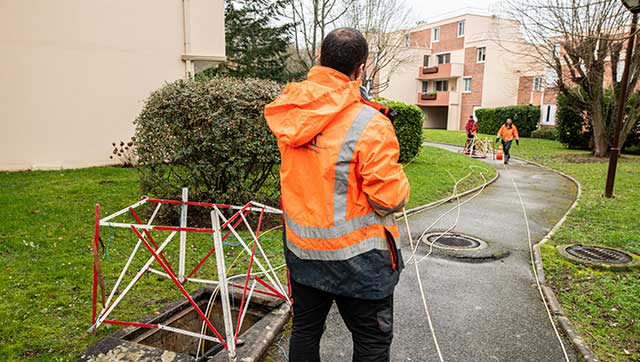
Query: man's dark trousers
point(370, 323)
point(506, 145)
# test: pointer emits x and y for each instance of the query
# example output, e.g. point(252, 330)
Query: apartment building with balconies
point(457, 65)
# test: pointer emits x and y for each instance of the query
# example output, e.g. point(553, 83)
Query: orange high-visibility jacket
point(507, 134)
point(341, 184)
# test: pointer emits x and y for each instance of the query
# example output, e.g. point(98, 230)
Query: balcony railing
point(433, 99)
point(429, 70)
point(428, 96)
point(442, 71)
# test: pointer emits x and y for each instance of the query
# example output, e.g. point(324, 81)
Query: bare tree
point(382, 23)
point(312, 20)
point(581, 41)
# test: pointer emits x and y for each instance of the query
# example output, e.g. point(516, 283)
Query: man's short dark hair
point(344, 49)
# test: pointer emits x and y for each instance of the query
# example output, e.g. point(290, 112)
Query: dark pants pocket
point(371, 326)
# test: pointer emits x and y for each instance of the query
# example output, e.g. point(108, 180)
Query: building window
point(466, 85)
point(425, 87)
point(482, 54)
point(537, 84)
point(460, 29)
point(436, 34)
point(444, 58)
point(425, 60)
point(548, 116)
point(551, 78)
point(442, 85)
point(407, 40)
point(619, 70)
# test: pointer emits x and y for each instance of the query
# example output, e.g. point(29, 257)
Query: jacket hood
point(304, 109)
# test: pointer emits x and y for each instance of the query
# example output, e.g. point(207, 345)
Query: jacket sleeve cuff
point(384, 211)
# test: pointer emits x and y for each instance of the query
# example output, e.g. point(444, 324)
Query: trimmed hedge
point(211, 137)
point(547, 133)
point(571, 126)
point(408, 126)
point(526, 118)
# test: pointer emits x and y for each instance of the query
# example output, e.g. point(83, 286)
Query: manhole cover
point(599, 254)
point(599, 257)
point(454, 241)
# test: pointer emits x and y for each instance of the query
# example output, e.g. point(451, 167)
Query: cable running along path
point(479, 311)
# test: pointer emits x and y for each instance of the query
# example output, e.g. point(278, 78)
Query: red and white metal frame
point(272, 287)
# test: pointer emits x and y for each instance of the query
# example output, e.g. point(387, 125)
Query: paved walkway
point(486, 311)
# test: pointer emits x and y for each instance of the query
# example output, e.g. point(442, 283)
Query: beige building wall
point(403, 85)
point(74, 74)
point(502, 68)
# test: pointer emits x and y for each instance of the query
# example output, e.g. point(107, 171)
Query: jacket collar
point(330, 77)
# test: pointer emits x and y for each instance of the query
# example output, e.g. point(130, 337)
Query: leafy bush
point(572, 128)
point(547, 133)
point(526, 118)
point(210, 137)
point(408, 126)
point(632, 145)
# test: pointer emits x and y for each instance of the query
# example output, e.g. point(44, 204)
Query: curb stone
point(556, 309)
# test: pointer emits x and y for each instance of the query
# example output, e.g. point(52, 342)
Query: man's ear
point(358, 72)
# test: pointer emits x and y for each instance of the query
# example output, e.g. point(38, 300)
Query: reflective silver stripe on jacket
point(342, 226)
point(387, 210)
point(344, 161)
point(340, 254)
point(342, 229)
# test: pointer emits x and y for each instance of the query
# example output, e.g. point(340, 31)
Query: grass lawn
point(437, 162)
point(605, 306)
point(45, 254)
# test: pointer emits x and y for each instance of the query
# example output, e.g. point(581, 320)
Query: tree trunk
point(600, 133)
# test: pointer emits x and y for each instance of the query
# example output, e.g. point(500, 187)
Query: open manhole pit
point(454, 241)
point(599, 256)
point(264, 313)
point(188, 319)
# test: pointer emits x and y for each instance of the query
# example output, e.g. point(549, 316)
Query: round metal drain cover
point(454, 241)
point(599, 254)
point(599, 257)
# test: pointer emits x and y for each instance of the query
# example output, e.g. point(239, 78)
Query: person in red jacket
point(471, 128)
point(341, 184)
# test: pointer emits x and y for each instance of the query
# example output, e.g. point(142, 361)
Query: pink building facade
point(460, 64)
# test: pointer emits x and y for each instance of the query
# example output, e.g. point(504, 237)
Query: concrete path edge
point(554, 305)
point(576, 339)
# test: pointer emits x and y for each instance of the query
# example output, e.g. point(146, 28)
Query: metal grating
point(599, 254)
point(453, 241)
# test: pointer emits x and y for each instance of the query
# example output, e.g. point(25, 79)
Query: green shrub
point(211, 137)
point(526, 118)
point(547, 133)
point(408, 126)
point(572, 128)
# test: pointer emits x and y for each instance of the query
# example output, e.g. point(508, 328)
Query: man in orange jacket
point(341, 185)
point(507, 133)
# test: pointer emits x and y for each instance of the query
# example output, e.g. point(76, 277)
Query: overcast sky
point(426, 10)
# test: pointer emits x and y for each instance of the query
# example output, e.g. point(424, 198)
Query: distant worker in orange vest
point(507, 133)
point(341, 184)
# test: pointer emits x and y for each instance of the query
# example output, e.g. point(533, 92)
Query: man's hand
point(517, 142)
point(497, 139)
